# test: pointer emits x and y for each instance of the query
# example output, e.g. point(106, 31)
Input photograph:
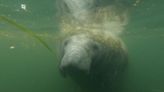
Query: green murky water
point(27, 66)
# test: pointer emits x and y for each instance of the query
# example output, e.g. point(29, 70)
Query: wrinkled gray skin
point(78, 53)
point(83, 56)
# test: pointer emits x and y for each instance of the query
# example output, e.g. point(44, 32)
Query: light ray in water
point(26, 30)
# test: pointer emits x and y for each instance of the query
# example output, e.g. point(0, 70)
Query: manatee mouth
point(71, 71)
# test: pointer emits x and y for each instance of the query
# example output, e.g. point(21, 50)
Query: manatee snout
point(75, 60)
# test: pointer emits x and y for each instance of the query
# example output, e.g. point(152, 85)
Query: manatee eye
point(95, 46)
point(65, 42)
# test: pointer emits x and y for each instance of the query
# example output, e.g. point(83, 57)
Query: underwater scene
point(81, 46)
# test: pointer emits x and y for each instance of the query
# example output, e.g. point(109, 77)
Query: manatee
point(91, 50)
point(92, 57)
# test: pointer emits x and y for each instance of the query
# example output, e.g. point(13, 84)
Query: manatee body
point(90, 60)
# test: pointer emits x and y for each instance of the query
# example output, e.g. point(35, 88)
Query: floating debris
point(23, 6)
point(136, 2)
point(12, 47)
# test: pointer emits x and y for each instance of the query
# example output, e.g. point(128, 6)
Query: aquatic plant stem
point(26, 30)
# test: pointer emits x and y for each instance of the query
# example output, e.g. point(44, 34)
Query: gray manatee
point(92, 57)
point(91, 52)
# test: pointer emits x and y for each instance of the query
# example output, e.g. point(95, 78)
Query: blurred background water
point(27, 66)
